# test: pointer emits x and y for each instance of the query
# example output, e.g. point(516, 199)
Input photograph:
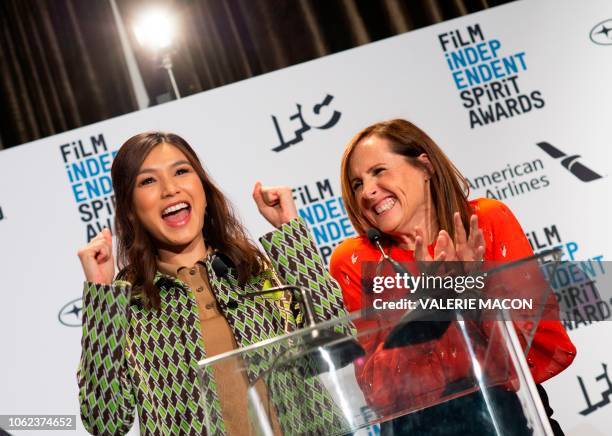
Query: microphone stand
point(342, 349)
point(410, 329)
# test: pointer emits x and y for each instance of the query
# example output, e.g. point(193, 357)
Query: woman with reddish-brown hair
point(187, 267)
point(397, 180)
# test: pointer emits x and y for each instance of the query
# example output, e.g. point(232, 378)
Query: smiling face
point(169, 198)
point(391, 193)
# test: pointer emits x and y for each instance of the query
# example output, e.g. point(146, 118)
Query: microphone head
point(219, 267)
point(374, 235)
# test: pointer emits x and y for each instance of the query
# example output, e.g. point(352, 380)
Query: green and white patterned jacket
point(132, 356)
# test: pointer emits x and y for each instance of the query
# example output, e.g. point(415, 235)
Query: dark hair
point(449, 189)
point(136, 248)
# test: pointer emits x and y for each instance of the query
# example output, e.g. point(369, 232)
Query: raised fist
point(275, 203)
point(97, 259)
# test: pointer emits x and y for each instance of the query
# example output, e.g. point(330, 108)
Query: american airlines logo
point(578, 169)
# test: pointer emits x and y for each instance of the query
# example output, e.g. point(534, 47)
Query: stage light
point(155, 29)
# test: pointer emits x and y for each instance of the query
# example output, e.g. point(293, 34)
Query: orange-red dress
point(551, 351)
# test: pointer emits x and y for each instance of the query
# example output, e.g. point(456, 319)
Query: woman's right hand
point(97, 259)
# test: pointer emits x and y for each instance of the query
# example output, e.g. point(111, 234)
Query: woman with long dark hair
point(397, 180)
point(145, 330)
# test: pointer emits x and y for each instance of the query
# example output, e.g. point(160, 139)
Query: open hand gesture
point(468, 248)
point(464, 248)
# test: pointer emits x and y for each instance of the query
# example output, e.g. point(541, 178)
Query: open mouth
point(384, 205)
point(176, 214)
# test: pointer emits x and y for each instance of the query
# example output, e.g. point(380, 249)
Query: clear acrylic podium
point(460, 374)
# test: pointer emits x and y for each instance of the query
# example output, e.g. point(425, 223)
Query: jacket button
point(200, 289)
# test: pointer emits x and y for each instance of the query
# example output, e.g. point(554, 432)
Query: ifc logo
point(71, 313)
point(602, 33)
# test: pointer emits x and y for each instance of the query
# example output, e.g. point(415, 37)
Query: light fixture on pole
point(155, 30)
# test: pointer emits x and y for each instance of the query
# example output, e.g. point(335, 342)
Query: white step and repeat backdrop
point(488, 87)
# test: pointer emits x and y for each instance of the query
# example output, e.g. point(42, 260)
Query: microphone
point(410, 329)
point(219, 267)
point(221, 270)
point(374, 236)
point(341, 349)
point(327, 348)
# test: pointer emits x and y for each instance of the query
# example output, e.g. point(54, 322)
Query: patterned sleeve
point(105, 394)
point(297, 261)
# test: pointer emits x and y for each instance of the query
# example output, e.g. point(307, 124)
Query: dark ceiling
point(63, 66)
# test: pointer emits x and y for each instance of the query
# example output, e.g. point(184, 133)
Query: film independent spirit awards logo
point(70, 314)
point(601, 34)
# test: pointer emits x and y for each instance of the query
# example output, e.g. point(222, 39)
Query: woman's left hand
point(468, 248)
point(275, 203)
point(463, 248)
